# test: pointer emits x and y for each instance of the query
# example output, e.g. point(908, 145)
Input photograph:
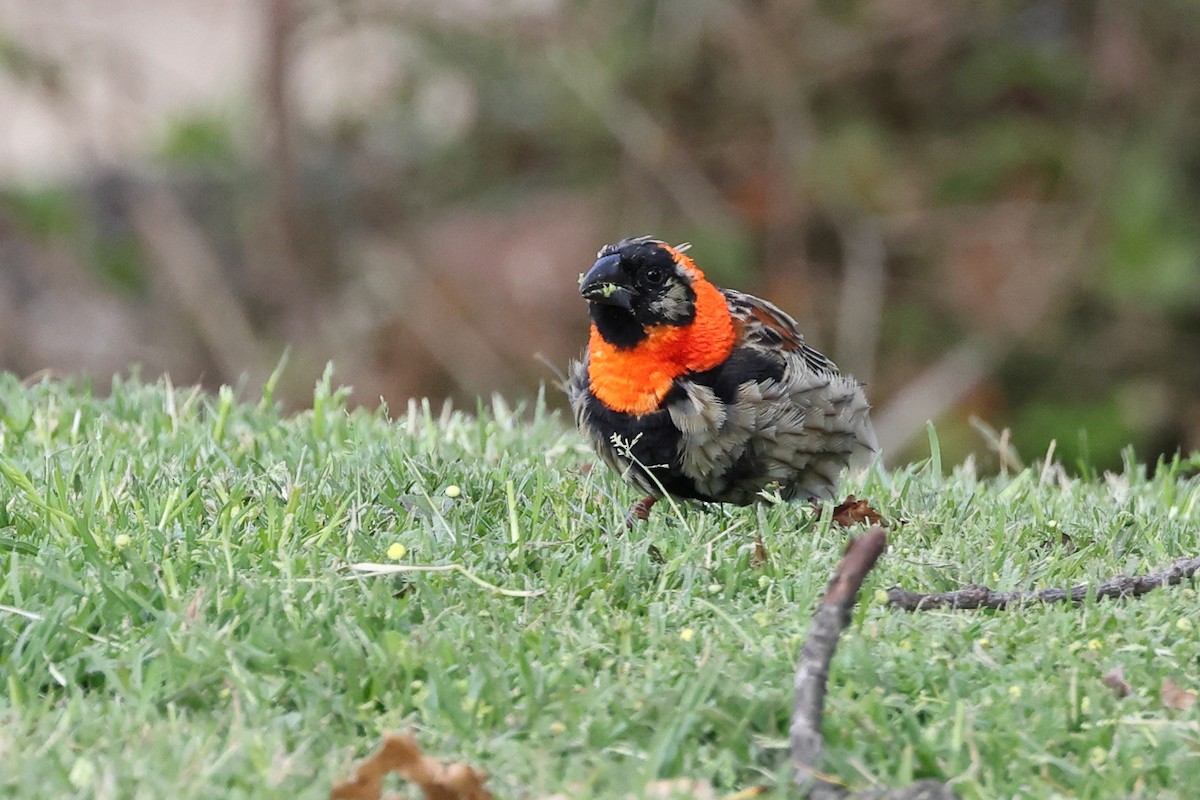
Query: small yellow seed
point(1014, 691)
point(881, 596)
point(1094, 644)
point(557, 728)
point(397, 551)
point(687, 634)
point(453, 491)
point(1184, 624)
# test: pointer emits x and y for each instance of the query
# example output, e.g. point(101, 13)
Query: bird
point(707, 394)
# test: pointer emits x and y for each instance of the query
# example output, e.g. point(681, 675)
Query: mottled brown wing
point(764, 325)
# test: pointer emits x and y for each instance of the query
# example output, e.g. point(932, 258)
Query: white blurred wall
point(86, 83)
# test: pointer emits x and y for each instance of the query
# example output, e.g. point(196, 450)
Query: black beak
point(604, 284)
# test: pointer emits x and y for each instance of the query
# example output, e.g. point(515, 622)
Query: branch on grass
point(812, 675)
point(983, 597)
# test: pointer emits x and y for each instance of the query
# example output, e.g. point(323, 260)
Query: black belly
point(654, 444)
point(655, 439)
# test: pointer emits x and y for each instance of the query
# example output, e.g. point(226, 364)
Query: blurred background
point(984, 210)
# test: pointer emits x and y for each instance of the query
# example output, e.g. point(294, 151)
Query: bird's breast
point(634, 380)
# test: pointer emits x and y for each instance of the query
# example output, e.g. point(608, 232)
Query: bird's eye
point(654, 276)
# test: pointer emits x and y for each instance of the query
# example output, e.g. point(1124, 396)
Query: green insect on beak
point(604, 283)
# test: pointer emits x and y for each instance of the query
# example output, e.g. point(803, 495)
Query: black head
point(636, 284)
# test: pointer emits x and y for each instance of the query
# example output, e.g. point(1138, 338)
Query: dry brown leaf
point(400, 753)
point(1115, 680)
point(1176, 697)
point(853, 511)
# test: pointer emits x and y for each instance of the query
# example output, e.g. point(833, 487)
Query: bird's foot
point(640, 511)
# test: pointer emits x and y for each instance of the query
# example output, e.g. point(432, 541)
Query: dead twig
point(983, 597)
point(812, 675)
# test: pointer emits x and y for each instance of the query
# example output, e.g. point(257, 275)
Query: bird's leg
point(640, 510)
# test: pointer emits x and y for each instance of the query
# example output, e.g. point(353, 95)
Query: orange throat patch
point(635, 380)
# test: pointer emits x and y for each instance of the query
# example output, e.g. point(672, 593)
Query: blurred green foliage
point(1030, 171)
point(200, 140)
point(46, 213)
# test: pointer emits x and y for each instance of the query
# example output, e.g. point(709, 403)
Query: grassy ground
point(178, 620)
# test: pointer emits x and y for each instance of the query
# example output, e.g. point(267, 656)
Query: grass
point(179, 620)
